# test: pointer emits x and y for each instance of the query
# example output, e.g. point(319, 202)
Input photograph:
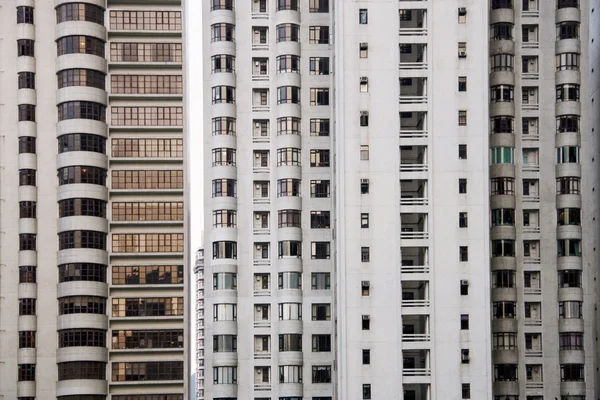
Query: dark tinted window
point(81, 45)
point(83, 110)
point(82, 240)
point(26, 144)
point(26, 80)
point(82, 142)
point(81, 370)
point(82, 272)
point(24, 15)
point(82, 337)
point(25, 47)
point(81, 305)
point(82, 174)
point(26, 112)
point(82, 206)
point(80, 12)
point(81, 77)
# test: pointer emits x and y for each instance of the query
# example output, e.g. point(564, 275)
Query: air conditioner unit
point(464, 282)
point(462, 54)
point(258, 247)
point(364, 79)
point(532, 123)
point(258, 279)
point(257, 215)
point(366, 283)
point(259, 371)
point(533, 246)
point(256, 155)
point(364, 113)
point(532, 29)
point(257, 63)
point(258, 308)
point(364, 181)
point(532, 93)
point(257, 125)
point(462, 11)
point(258, 187)
point(464, 357)
point(366, 317)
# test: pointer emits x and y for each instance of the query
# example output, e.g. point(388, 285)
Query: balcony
point(413, 226)
point(413, 91)
point(413, 22)
point(413, 56)
point(414, 260)
point(416, 391)
point(413, 192)
point(413, 125)
point(415, 363)
point(415, 328)
point(413, 159)
point(415, 294)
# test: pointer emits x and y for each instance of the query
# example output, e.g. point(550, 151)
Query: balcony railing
point(262, 324)
point(262, 292)
point(530, 45)
point(531, 199)
point(260, 77)
point(414, 235)
point(414, 201)
point(262, 386)
point(416, 337)
point(416, 372)
point(260, 46)
point(531, 107)
point(412, 31)
point(533, 353)
point(413, 134)
point(262, 262)
point(414, 269)
point(262, 231)
point(534, 385)
point(531, 260)
point(415, 303)
point(530, 75)
point(529, 290)
point(531, 167)
point(533, 322)
point(261, 200)
point(262, 355)
point(412, 65)
point(260, 139)
point(260, 107)
point(413, 167)
point(413, 99)
point(531, 229)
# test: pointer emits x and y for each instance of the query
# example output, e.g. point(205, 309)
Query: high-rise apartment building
point(400, 198)
point(92, 245)
point(199, 362)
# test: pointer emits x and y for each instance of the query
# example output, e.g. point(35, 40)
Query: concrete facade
point(92, 256)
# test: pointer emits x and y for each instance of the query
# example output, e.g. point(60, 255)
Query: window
point(501, 31)
point(219, 32)
point(567, 3)
point(466, 391)
point(318, 6)
point(289, 218)
point(464, 287)
point(320, 220)
point(363, 50)
point(288, 33)
point(24, 15)
point(463, 221)
point(290, 342)
point(80, 45)
point(319, 158)
point(82, 272)
point(462, 186)
point(287, 5)
point(366, 357)
point(321, 374)
point(462, 49)
point(224, 281)
point(26, 339)
point(290, 311)
point(318, 65)
point(462, 151)
point(502, 155)
point(503, 217)
point(502, 62)
point(82, 305)
point(572, 373)
point(320, 250)
point(569, 247)
point(364, 118)
point(147, 275)
point(26, 80)
point(82, 239)
point(27, 177)
point(224, 188)
point(568, 185)
point(82, 206)
point(365, 288)
point(502, 93)
point(569, 278)
point(364, 220)
point(224, 343)
point(289, 248)
point(462, 118)
point(82, 337)
point(463, 252)
point(290, 374)
point(503, 248)
point(27, 242)
point(288, 187)
point(567, 123)
point(567, 92)
point(26, 372)
point(462, 83)
point(27, 306)
point(366, 391)
point(155, 20)
point(365, 254)
point(223, 94)
point(366, 322)
point(288, 95)
point(289, 280)
point(321, 343)
point(464, 356)
point(462, 15)
point(464, 321)
point(318, 35)
point(570, 341)
point(288, 156)
point(504, 309)
point(26, 112)
point(85, 77)
point(225, 312)
point(319, 97)
point(80, 12)
point(504, 341)
point(153, 339)
point(502, 186)
point(149, 371)
point(223, 157)
point(319, 189)
point(321, 312)
point(567, 30)
point(497, 4)
point(82, 110)
point(288, 63)
point(27, 144)
point(364, 186)
point(142, 397)
point(25, 47)
point(363, 16)
point(27, 274)
point(224, 249)
point(320, 280)
point(567, 61)
point(319, 127)
point(134, 148)
point(502, 124)
point(567, 154)
point(364, 152)
point(569, 216)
